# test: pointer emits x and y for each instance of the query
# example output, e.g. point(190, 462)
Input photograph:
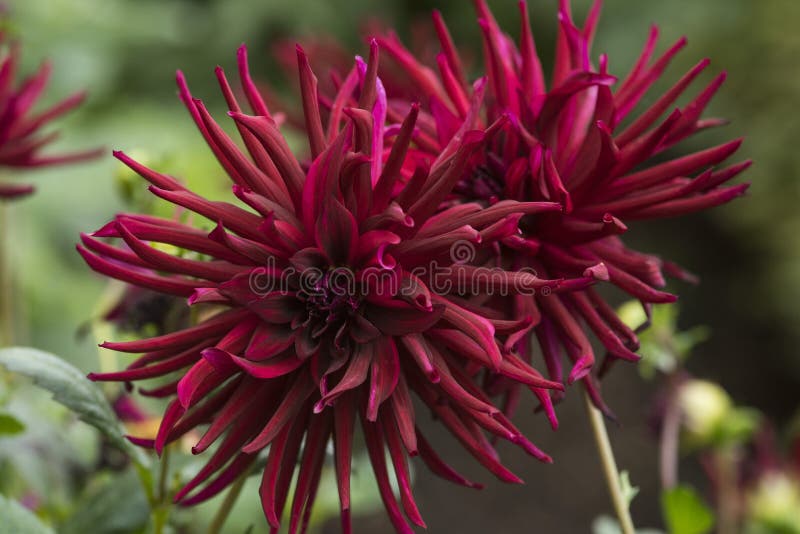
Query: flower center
point(480, 185)
point(330, 299)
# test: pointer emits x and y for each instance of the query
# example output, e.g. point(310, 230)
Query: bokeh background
point(125, 53)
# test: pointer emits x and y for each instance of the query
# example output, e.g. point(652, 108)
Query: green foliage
point(16, 519)
point(10, 425)
point(685, 512)
point(663, 347)
point(629, 491)
point(113, 506)
point(72, 389)
point(739, 427)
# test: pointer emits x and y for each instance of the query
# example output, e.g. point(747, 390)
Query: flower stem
point(727, 498)
point(227, 505)
point(609, 466)
point(669, 439)
point(6, 282)
point(161, 508)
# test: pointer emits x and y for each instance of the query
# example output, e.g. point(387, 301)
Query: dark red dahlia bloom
point(323, 301)
point(572, 141)
point(21, 139)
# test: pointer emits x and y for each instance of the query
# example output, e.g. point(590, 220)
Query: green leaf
point(116, 506)
point(685, 512)
point(738, 427)
point(10, 425)
point(16, 519)
point(663, 347)
point(629, 491)
point(72, 389)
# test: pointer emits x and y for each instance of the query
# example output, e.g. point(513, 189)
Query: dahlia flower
point(21, 139)
point(572, 141)
point(319, 305)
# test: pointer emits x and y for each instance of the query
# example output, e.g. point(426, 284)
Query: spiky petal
point(21, 137)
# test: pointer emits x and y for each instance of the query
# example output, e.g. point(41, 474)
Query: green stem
point(6, 282)
point(163, 494)
point(161, 508)
point(609, 466)
point(227, 505)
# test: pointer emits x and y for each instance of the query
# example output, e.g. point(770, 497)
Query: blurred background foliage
point(125, 53)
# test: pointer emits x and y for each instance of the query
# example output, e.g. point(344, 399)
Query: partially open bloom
point(571, 141)
point(320, 300)
point(21, 139)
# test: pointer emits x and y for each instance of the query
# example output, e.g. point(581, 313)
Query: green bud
point(705, 405)
point(774, 504)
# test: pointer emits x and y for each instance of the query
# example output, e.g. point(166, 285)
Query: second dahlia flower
point(573, 141)
point(320, 308)
point(21, 139)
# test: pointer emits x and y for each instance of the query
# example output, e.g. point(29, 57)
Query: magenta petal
point(403, 319)
point(337, 233)
point(385, 372)
point(272, 368)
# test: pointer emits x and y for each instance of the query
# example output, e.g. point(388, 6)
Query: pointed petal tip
point(580, 370)
point(741, 189)
point(597, 272)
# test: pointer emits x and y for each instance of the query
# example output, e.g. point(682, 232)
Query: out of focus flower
point(329, 308)
point(147, 312)
point(137, 420)
point(128, 411)
point(756, 483)
point(771, 482)
point(21, 136)
point(773, 505)
point(709, 417)
point(704, 406)
point(576, 142)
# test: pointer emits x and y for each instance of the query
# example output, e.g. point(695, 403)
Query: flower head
point(21, 139)
point(572, 141)
point(320, 301)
